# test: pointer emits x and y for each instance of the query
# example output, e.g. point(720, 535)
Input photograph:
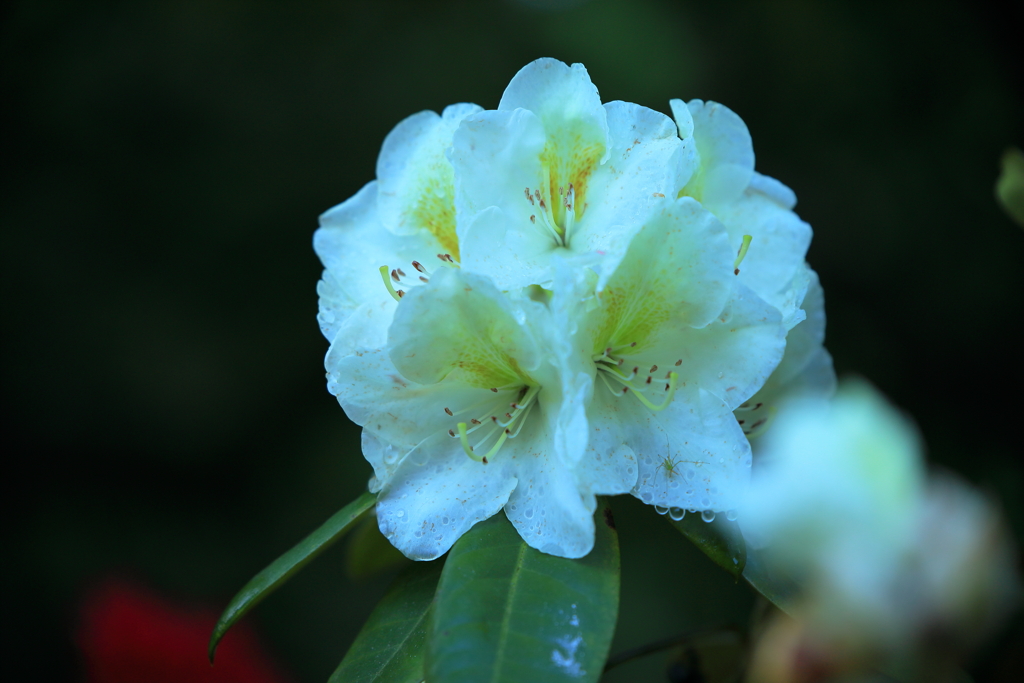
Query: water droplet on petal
point(445, 521)
point(660, 510)
point(706, 502)
point(731, 515)
point(400, 513)
point(673, 484)
point(708, 515)
point(528, 513)
point(647, 497)
point(677, 513)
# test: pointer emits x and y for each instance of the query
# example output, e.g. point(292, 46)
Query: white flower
point(570, 320)
point(465, 413)
point(553, 171)
point(405, 220)
point(759, 209)
point(674, 345)
point(887, 557)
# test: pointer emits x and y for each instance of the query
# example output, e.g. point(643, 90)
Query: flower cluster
point(578, 299)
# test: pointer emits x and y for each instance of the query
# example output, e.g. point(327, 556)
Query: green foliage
point(719, 539)
point(369, 553)
point(281, 569)
point(507, 612)
point(390, 647)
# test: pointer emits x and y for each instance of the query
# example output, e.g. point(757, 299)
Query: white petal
point(708, 458)
point(461, 327)
point(806, 367)
point(563, 97)
point(732, 357)
point(430, 502)
point(677, 268)
point(416, 179)
point(352, 244)
point(496, 156)
point(643, 166)
point(778, 245)
point(548, 508)
point(726, 154)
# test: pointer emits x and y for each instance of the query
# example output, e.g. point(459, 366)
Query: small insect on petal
point(449, 411)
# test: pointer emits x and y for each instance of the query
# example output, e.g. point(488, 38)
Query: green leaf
point(281, 569)
point(508, 613)
point(391, 646)
point(369, 552)
point(719, 539)
point(778, 588)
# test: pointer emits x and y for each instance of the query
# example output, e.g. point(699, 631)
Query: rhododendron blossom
point(555, 300)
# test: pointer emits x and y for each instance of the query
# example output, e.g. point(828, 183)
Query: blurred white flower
point(890, 560)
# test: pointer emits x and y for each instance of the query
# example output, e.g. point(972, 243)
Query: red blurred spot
point(128, 634)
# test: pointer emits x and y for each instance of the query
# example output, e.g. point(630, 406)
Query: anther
point(449, 411)
point(533, 218)
point(419, 266)
point(679, 362)
point(476, 421)
point(649, 378)
point(400, 273)
point(494, 389)
point(394, 276)
point(451, 433)
point(654, 368)
point(424, 279)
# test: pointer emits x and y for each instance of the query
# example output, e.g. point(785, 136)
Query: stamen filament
point(386, 276)
point(743, 251)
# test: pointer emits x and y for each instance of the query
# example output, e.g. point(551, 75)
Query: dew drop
point(673, 484)
point(735, 447)
point(629, 470)
point(513, 507)
point(708, 515)
point(439, 537)
point(689, 492)
point(692, 510)
point(445, 521)
point(647, 497)
point(732, 515)
point(676, 513)
point(528, 513)
point(706, 502)
point(690, 474)
point(660, 510)
point(400, 513)
point(648, 461)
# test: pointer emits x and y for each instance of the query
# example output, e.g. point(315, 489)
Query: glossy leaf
point(778, 588)
point(508, 613)
point(281, 569)
point(369, 553)
point(719, 539)
point(391, 646)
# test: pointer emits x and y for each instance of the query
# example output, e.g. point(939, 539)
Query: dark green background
point(164, 164)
